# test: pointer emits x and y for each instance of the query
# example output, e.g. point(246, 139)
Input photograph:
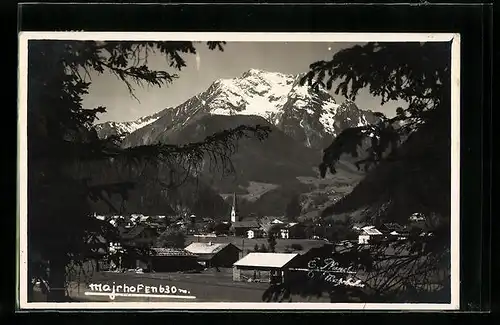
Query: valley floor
point(208, 286)
point(247, 244)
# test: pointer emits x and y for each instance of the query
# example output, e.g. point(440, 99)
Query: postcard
point(238, 171)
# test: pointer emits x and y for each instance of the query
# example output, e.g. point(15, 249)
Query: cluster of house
point(143, 230)
point(130, 221)
point(260, 228)
point(369, 234)
point(194, 257)
point(137, 224)
point(198, 256)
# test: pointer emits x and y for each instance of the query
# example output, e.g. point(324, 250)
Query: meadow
point(247, 244)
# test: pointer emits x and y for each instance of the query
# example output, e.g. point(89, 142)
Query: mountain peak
point(253, 71)
point(109, 128)
point(266, 74)
point(310, 117)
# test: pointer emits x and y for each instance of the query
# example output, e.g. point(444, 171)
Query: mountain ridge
point(312, 118)
point(123, 129)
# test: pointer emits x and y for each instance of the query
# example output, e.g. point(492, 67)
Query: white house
point(274, 263)
point(398, 235)
point(369, 234)
point(250, 234)
point(416, 217)
point(254, 233)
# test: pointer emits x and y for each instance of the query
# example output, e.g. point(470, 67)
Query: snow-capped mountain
point(312, 118)
point(303, 122)
point(107, 129)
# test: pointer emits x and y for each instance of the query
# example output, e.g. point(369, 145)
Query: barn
point(173, 260)
point(273, 264)
point(215, 254)
point(139, 236)
point(240, 228)
point(369, 235)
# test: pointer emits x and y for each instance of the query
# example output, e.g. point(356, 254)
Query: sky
point(207, 66)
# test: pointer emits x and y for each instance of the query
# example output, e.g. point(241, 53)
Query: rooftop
point(393, 226)
point(206, 248)
point(160, 251)
point(245, 224)
point(133, 232)
point(270, 260)
point(371, 231)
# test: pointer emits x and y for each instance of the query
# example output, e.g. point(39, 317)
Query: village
point(206, 252)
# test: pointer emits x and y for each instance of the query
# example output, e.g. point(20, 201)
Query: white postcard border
point(23, 304)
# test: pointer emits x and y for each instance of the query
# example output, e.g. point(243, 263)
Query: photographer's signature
point(330, 271)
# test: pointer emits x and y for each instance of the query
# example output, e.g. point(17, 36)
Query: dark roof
point(160, 251)
point(134, 232)
point(205, 257)
point(393, 226)
point(245, 224)
point(294, 224)
point(96, 239)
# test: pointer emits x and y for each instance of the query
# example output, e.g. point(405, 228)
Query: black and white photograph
point(239, 171)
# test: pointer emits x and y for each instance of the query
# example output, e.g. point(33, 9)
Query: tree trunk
point(57, 280)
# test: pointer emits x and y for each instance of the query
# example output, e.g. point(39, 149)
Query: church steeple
point(234, 210)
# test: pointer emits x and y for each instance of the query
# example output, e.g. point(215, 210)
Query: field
point(246, 244)
point(208, 286)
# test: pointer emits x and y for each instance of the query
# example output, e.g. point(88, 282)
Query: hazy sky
point(207, 66)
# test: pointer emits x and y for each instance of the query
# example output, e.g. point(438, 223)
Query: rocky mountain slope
point(268, 173)
point(415, 178)
point(312, 118)
point(123, 129)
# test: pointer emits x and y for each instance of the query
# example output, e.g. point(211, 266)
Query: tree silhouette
point(293, 209)
point(271, 240)
point(172, 238)
point(410, 159)
point(417, 73)
point(68, 165)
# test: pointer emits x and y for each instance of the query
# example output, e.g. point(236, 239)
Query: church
point(234, 211)
point(238, 227)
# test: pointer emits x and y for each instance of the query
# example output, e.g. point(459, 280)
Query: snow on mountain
point(107, 129)
point(313, 118)
point(266, 94)
point(304, 122)
point(255, 93)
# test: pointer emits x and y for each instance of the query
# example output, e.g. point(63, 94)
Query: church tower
point(234, 211)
